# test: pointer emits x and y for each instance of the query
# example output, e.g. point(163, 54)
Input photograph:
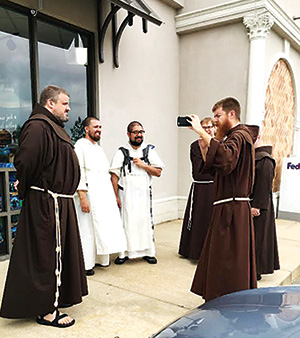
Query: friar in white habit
point(99, 219)
point(132, 169)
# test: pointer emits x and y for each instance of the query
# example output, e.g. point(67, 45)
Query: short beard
point(225, 128)
point(61, 119)
point(136, 143)
point(94, 138)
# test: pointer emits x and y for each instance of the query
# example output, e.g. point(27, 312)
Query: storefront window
point(36, 51)
point(15, 89)
point(63, 62)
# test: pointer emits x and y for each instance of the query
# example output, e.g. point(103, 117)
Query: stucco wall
point(292, 8)
point(274, 50)
point(295, 68)
point(193, 5)
point(213, 64)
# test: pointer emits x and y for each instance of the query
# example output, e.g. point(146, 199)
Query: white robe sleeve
point(117, 163)
point(154, 159)
point(79, 150)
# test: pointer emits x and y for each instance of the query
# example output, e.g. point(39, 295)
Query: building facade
point(150, 61)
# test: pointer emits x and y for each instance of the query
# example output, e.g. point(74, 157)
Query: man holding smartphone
point(227, 262)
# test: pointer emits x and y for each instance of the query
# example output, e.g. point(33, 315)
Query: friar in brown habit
point(46, 268)
point(199, 206)
point(227, 262)
point(267, 258)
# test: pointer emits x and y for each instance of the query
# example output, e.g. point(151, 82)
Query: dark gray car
point(264, 313)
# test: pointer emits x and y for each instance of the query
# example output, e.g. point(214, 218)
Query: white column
point(258, 27)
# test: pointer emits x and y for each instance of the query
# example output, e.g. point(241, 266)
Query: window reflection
point(15, 90)
point(62, 62)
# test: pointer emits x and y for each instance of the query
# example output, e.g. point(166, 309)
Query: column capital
point(258, 25)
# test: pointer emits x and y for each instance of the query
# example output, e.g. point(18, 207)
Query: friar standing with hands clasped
point(267, 258)
point(46, 269)
point(99, 219)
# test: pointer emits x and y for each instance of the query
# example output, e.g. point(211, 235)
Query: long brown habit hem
point(267, 259)
point(227, 262)
point(46, 159)
point(200, 200)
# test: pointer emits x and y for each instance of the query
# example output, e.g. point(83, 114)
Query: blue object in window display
point(2, 236)
point(6, 165)
point(4, 150)
point(13, 231)
point(15, 203)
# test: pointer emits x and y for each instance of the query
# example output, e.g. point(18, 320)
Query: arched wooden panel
point(278, 124)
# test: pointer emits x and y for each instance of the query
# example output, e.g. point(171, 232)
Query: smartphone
point(183, 121)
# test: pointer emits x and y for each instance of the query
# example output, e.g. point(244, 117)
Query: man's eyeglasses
point(207, 127)
point(136, 132)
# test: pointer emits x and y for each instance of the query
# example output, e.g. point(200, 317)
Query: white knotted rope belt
point(58, 269)
point(189, 224)
point(231, 199)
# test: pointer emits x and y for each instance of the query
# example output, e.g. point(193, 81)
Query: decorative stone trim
point(215, 15)
point(258, 26)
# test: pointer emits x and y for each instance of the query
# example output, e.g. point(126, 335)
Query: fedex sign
point(289, 200)
point(293, 166)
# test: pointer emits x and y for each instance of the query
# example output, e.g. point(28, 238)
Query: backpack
point(128, 159)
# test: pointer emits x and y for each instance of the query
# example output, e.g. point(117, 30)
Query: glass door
point(63, 62)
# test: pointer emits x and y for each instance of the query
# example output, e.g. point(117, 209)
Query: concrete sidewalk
point(136, 299)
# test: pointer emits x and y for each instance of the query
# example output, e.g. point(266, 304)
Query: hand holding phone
point(183, 121)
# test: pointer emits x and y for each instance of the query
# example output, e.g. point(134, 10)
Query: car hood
point(265, 313)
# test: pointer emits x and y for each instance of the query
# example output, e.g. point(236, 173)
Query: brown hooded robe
point(267, 259)
point(45, 159)
point(227, 262)
point(193, 233)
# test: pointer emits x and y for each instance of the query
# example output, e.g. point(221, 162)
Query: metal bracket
point(117, 35)
point(103, 28)
point(145, 26)
point(116, 32)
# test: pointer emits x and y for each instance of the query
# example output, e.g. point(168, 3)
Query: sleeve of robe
point(223, 156)
point(264, 173)
point(33, 155)
point(117, 163)
point(79, 149)
point(196, 160)
point(154, 159)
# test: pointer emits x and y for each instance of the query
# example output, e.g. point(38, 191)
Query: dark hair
point(51, 93)
point(206, 120)
point(86, 122)
point(133, 124)
point(228, 104)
